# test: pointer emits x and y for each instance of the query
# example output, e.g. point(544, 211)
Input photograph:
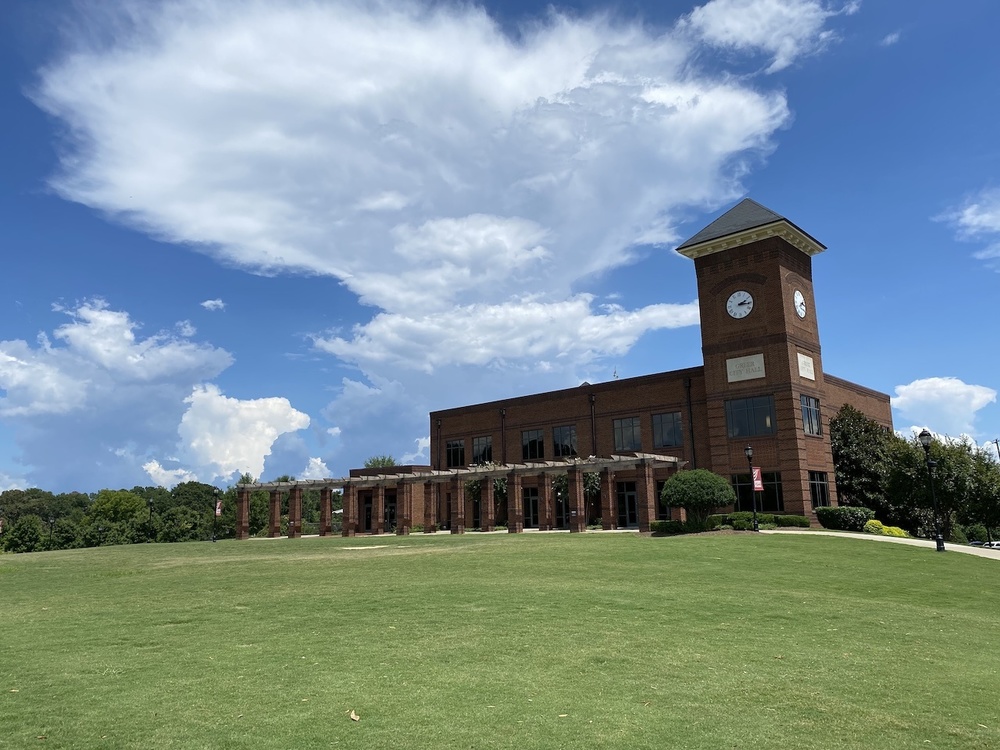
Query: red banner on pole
point(758, 482)
point(218, 507)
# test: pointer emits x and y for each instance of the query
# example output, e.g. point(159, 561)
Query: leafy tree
point(117, 506)
point(861, 454)
point(374, 462)
point(984, 504)
point(26, 535)
point(699, 492)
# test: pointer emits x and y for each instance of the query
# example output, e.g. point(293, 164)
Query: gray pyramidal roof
point(747, 214)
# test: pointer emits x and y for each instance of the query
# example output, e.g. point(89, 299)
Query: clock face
point(740, 304)
point(799, 303)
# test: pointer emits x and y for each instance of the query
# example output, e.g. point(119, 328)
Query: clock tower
point(764, 383)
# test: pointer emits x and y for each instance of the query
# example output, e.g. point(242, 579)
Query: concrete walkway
point(963, 548)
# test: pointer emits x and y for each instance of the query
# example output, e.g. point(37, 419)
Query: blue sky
point(271, 236)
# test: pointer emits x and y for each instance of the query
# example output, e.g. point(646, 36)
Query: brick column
point(577, 509)
point(646, 491)
point(295, 512)
point(515, 504)
point(349, 522)
point(487, 504)
point(457, 506)
point(243, 514)
point(404, 507)
point(546, 503)
point(274, 515)
point(325, 511)
point(609, 514)
point(430, 507)
point(378, 509)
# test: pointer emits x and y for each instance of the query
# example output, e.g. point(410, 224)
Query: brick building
point(762, 384)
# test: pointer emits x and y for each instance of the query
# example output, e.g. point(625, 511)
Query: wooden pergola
point(430, 482)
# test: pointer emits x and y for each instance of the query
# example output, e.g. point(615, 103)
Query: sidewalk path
point(963, 548)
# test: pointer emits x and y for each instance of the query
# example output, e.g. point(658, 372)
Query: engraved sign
point(745, 368)
point(806, 369)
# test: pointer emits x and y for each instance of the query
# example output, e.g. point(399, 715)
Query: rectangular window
point(810, 415)
point(455, 451)
point(667, 430)
point(768, 501)
point(627, 434)
point(482, 450)
point(746, 417)
point(532, 444)
point(564, 441)
point(819, 490)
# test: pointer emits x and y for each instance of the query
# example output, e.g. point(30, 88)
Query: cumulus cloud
point(947, 404)
point(12, 483)
point(221, 436)
point(421, 454)
point(427, 160)
point(214, 304)
point(977, 218)
point(95, 395)
point(784, 29)
point(315, 469)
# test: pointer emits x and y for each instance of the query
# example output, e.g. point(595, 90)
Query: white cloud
point(221, 436)
point(948, 404)
point(890, 39)
point(315, 469)
point(489, 334)
point(167, 477)
point(92, 400)
point(8, 482)
point(785, 29)
point(185, 328)
point(430, 162)
point(420, 455)
point(978, 218)
point(214, 304)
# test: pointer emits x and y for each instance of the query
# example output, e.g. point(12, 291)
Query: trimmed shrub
point(666, 528)
point(699, 492)
point(799, 522)
point(844, 518)
point(894, 531)
point(874, 527)
point(976, 532)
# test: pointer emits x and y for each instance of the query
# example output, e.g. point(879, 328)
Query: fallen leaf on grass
point(563, 716)
point(15, 690)
point(354, 716)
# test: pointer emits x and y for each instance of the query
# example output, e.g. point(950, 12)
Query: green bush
point(666, 528)
point(874, 527)
point(894, 531)
point(417, 528)
point(25, 535)
point(976, 532)
point(958, 536)
point(800, 522)
point(699, 492)
point(844, 518)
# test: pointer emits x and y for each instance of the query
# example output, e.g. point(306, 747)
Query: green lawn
point(501, 641)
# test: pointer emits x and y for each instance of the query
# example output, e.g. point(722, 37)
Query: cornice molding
point(783, 229)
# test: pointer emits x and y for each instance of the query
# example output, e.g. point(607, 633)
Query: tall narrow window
point(564, 441)
point(532, 444)
point(455, 452)
point(482, 450)
point(627, 434)
point(746, 417)
point(819, 489)
point(810, 415)
point(667, 430)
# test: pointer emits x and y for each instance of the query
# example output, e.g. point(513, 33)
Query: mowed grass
point(498, 641)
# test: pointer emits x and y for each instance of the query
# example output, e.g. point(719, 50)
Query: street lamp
point(748, 452)
point(52, 522)
point(925, 439)
point(150, 501)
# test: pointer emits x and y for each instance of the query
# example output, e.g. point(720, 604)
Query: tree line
point(878, 469)
point(34, 519)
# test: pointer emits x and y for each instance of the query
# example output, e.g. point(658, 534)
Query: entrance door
point(390, 513)
point(531, 507)
point(562, 512)
point(628, 505)
point(368, 514)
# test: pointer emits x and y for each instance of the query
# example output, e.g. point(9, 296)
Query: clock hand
point(744, 302)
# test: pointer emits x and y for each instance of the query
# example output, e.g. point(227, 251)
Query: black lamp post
point(748, 452)
point(214, 517)
point(150, 501)
point(52, 522)
point(925, 439)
